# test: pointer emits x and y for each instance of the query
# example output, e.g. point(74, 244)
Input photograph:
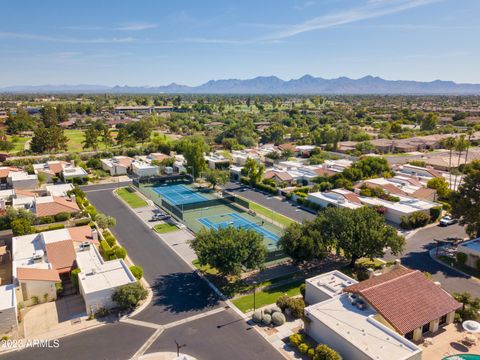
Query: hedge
point(63, 216)
point(74, 277)
point(106, 250)
point(109, 238)
point(267, 188)
point(82, 222)
point(414, 220)
point(51, 227)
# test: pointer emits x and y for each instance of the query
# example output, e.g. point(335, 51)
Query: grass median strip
point(164, 228)
point(132, 199)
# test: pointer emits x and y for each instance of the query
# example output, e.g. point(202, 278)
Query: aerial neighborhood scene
point(213, 180)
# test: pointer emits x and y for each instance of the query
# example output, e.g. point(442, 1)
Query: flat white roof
point(97, 275)
point(7, 297)
point(472, 245)
point(331, 283)
point(406, 205)
point(20, 175)
point(143, 165)
point(55, 236)
point(360, 329)
point(59, 190)
point(74, 171)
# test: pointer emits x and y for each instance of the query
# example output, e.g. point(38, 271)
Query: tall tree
point(229, 249)
point(460, 146)
point(91, 138)
point(253, 170)
point(19, 121)
point(48, 139)
point(49, 116)
point(466, 203)
point(449, 144)
point(217, 177)
point(193, 149)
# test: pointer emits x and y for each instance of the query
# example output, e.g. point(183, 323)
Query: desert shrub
point(303, 348)
point(311, 353)
point(101, 312)
point(34, 300)
point(257, 316)
point(128, 296)
point(461, 258)
point(282, 302)
point(278, 318)
point(296, 339)
point(296, 306)
point(63, 216)
point(267, 319)
point(137, 271)
point(323, 352)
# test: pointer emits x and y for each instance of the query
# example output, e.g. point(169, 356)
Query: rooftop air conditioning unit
point(85, 245)
point(37, 258)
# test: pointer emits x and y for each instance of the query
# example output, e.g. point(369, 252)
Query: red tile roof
point(58, 205)
point(61, 254)
point(287, 146)
point(4, 171)
point(283, 176)
point(405, 298)
point(38, 274)
point(324, 172)
point(56, 167)
point(81, 233)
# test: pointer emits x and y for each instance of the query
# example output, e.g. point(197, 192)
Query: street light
point(179, 347)
point(254, 293)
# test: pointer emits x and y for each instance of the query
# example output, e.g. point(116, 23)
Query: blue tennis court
point(237, 221)
point(179, 194)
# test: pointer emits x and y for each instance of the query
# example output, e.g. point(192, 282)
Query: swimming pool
point(179, 194)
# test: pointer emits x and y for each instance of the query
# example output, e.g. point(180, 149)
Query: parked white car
point(447, 220)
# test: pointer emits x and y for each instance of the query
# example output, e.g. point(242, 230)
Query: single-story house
point(53, 205)
point(117, 165)
point(143, 169)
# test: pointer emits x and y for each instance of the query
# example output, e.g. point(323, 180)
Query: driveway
point(52, 316)
point(276, 203)
point(416, 256)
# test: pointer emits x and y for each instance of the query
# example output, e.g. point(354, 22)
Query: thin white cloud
point(27, 36)
point(371, 9)
point(136, 26)
point(133, 26)
point(304, 5)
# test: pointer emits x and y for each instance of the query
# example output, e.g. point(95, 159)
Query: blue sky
point(192, 41)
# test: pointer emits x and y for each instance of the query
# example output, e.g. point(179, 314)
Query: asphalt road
point(416, 256)
point(283, 207)
point(178, 294)
point(112, 341)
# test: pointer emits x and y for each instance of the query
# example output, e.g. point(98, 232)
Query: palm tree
point(449, 144)
point(469, 142)
point(461, 145)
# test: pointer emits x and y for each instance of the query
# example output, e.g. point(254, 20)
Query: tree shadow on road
point(183, 292)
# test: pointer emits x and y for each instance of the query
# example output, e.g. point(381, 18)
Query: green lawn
point(270, 214)
point(266, 297)
point(131, 198)
point(75, 139)
point(164, 228)
point(18, 143)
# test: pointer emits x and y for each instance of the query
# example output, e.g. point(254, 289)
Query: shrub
point(59, 288)
point(303, 348)
point(435, 213)
point(102, 312)
point(461, 258)
point(282, 302)
point(120, 252)
point(311, 353)
point(106, 250)
point(105, 221)
point(128, 296)
point(137, 271)
point(74, 277)
point(302, 291)
point(296, 306)
point(82, 222)
point(267, 319)
point(296, 339)
point(91, 210)
point(323, 352)
point(109, 238)
point(278, 318)
point(55, 227)
point(63, 216)
point(257, 316)
point(47, 220)
point(34, 300)
point(414, 220)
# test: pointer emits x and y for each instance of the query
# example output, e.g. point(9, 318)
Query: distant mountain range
point(307, 84)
